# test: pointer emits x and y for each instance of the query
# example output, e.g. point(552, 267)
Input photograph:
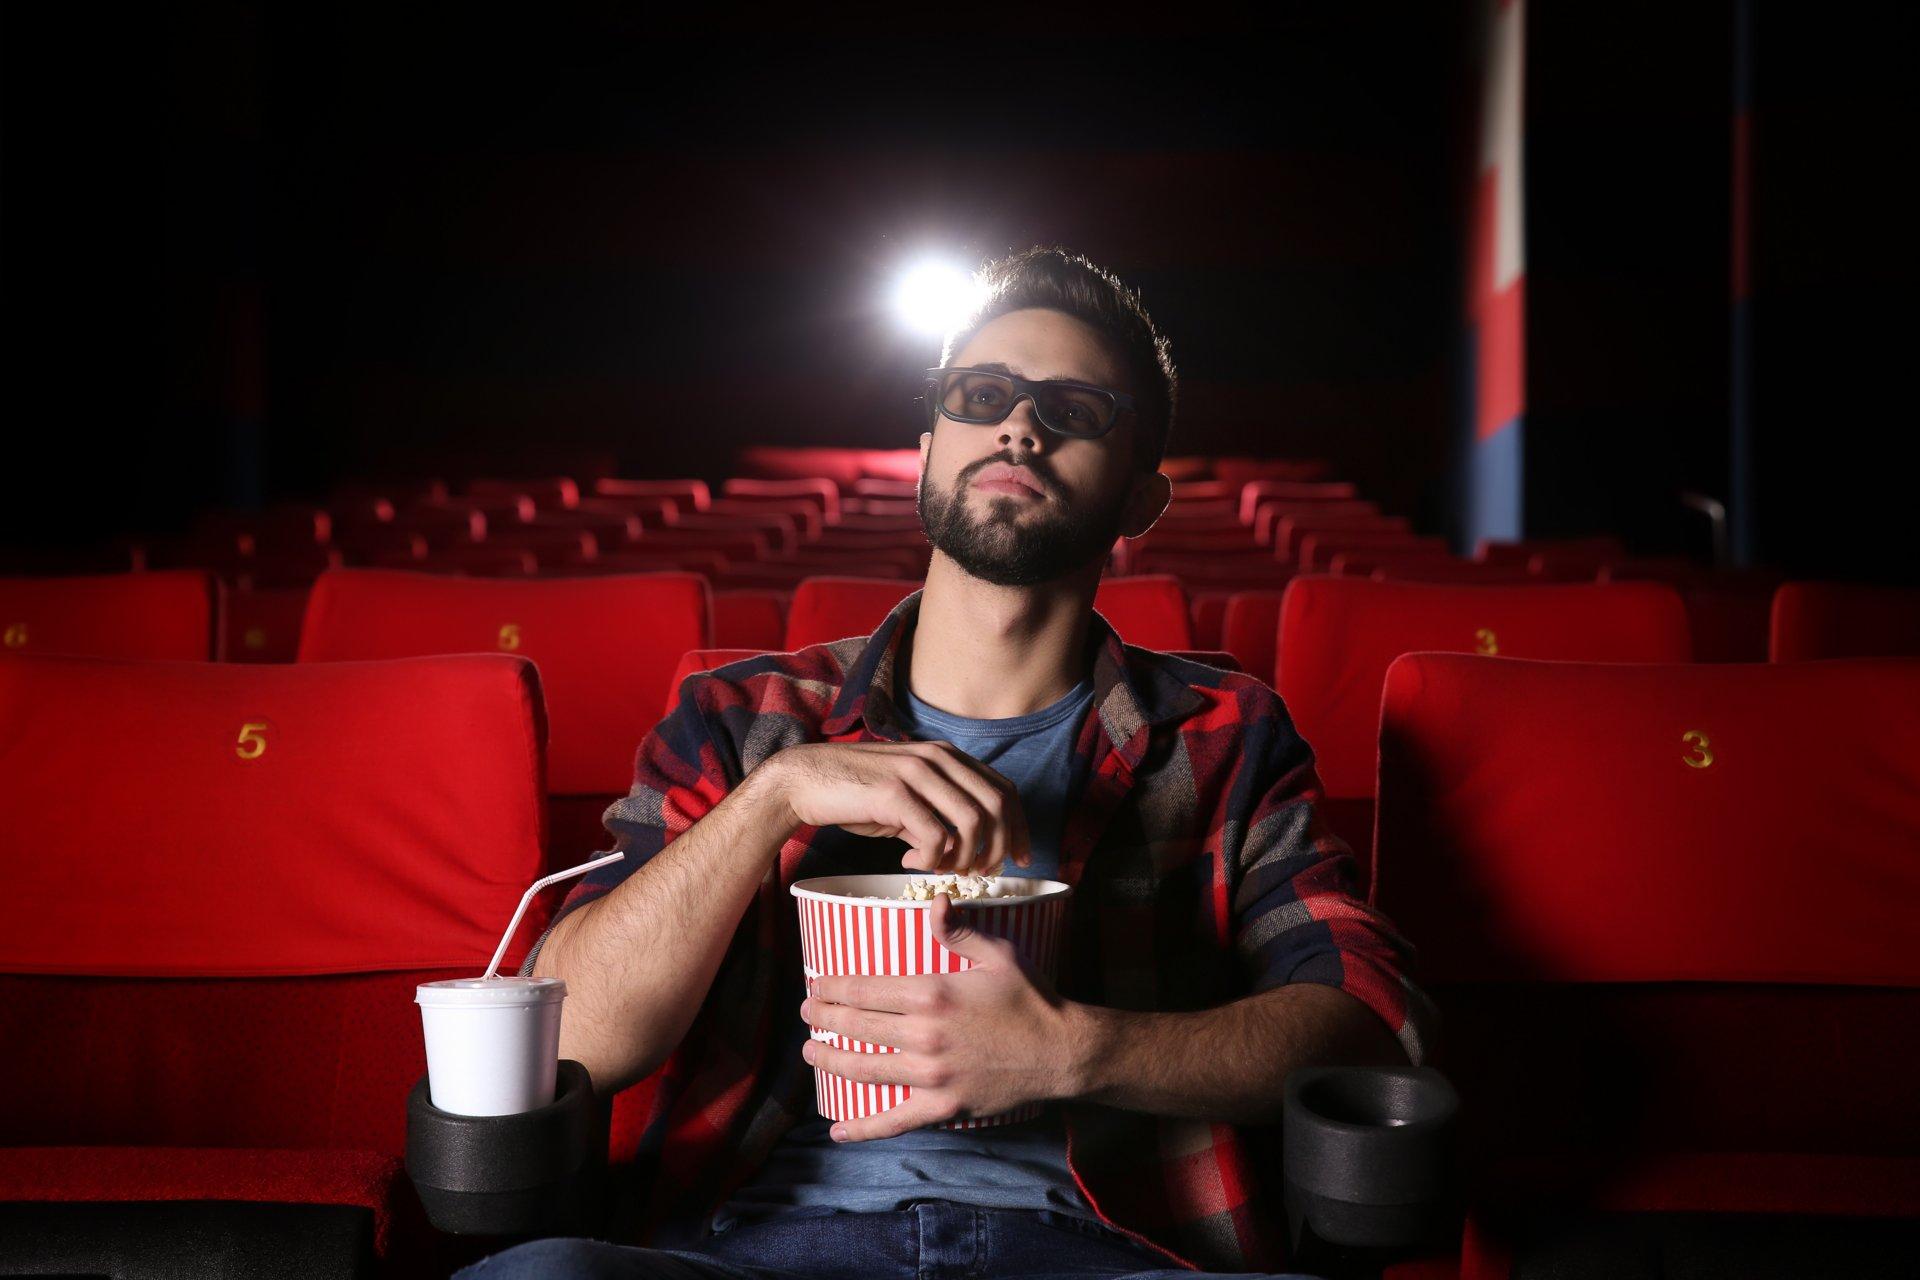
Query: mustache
point(1047, 481)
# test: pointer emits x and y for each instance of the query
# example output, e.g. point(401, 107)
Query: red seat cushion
point(165, 614)
point(1844, 620)
point(1337, 636)
point(606, 647)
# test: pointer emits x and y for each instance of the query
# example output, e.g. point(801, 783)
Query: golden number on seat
point(256, 638)
point(1700, 751)
point(1486, 643)
point(510, 636)
point(16, 636)
point(253, 740)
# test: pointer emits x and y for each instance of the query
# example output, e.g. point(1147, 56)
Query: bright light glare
point(933, 297)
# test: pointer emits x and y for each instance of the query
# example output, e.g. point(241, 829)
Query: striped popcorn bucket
point(861, 925)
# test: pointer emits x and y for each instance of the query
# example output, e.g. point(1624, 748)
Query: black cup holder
point(540, 1172)
point(1369, 1158)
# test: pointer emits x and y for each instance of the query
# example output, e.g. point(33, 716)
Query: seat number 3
point(1700, 751)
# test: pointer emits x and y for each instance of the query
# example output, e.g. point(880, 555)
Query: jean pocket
point(1091, 1227)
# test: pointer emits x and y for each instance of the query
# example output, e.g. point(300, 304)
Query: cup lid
point(490, 991)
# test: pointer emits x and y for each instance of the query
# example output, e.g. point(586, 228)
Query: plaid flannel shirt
point(1201, 872)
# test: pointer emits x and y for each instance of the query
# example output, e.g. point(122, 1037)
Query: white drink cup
point(493, 1044)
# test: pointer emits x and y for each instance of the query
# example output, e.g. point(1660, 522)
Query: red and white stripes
point(879, 937)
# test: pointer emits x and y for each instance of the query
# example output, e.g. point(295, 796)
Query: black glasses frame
point(1023, 389)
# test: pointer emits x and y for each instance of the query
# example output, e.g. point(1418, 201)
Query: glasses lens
point(976, 397)
point(1075, 411)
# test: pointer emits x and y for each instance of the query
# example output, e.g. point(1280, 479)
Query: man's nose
point(1023, 428)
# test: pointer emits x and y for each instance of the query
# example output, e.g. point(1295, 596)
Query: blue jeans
point(931, 1240)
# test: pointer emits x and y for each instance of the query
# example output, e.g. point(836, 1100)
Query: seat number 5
point(253, 740)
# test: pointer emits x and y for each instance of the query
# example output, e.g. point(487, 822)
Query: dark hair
point(1052, 278)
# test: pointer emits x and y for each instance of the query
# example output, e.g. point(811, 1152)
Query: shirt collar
point(1131, 691)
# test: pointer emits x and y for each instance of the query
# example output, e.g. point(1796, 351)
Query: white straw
point(538, 885)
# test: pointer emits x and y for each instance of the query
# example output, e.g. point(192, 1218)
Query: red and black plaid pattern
point(1201, 870)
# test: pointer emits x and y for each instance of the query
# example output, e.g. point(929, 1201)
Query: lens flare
point(933, 297)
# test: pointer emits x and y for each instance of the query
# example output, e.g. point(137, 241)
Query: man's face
point(1013, 503)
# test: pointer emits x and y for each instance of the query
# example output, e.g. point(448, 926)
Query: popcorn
point(919, 889)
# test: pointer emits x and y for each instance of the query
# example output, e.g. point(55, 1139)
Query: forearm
point(1227, 1064)
point(639, 961)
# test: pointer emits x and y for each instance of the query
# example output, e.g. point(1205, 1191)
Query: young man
point(993, 721)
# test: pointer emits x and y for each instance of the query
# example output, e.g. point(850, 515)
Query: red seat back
point(228, 879)
point(1250, 631)
point(831, 608)
point(171, 613)
point(752, 619)
point(1665, 905)
point(606, 647)
point(1337, 636)
point(264, 626)
point(1149, 610)
point(1843, 620)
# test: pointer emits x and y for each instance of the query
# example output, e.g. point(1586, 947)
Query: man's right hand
point(957, 814)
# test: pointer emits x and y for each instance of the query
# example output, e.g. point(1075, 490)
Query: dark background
point(249, 251)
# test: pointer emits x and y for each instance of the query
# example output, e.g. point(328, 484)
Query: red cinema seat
point(264, 626)
point(1843, 620)
point(169, 613)
point(1338, 635)
point(1210, 617)
point(1667, 911)
point(749, 619)
point(1235, 471)
point(831, 608)
point(1250, 631)
point(553, 493)
point(1294, 529)
point(686, 495)
point(1270, 512)
point(1316, 549)
point(805, 517)
point(237, 877)
point(606, 648)
point(781, 534)
point(1149, 610)
point(817, 491)
point(1255, 492)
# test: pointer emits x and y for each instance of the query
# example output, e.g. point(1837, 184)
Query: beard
point(1002, 548)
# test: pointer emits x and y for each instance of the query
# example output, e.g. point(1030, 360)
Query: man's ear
point(926, 451)
point(1150, 496)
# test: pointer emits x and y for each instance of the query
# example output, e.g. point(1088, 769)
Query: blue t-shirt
point(1012, 1166)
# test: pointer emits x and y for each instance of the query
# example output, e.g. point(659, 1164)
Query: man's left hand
point(974, 1043)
